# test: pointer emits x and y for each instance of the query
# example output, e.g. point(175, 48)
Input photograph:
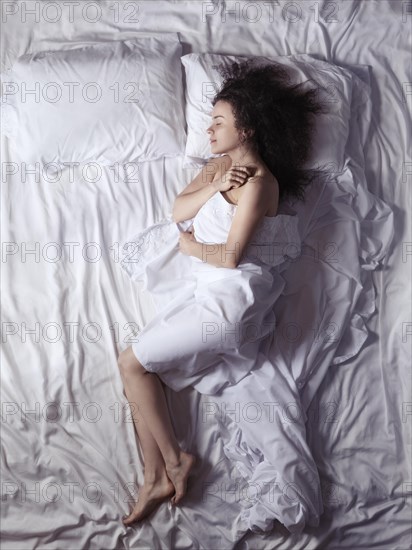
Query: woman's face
point(223, 135)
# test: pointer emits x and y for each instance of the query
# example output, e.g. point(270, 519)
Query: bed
point(311, 449)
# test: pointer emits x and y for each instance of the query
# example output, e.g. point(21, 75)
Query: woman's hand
point(185, 240)
point(233, 178)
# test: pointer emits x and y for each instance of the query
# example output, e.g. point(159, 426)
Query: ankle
point(174, 461)
point(153, 476)
point(172, 464)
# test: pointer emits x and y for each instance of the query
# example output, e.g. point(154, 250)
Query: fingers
point(238, 177)
point(247, 169)
point(240, 170)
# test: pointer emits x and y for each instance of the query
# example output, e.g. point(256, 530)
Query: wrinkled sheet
point(71, 466)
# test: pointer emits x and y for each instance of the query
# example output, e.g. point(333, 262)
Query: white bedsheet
point(81, 461)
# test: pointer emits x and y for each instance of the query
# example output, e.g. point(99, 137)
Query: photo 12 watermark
point(55, 12)
point(271, 11)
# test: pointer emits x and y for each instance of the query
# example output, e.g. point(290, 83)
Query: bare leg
point(154, 465)
point(157, 486)
point(145, 389)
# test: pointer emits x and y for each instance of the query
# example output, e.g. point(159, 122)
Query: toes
point(131, 518)
point(134, 518)
point(127, 520)
point(178, 497)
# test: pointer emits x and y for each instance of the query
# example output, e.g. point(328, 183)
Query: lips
point(212, 140)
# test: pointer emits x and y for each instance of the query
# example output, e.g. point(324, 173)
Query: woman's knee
point(128, 363)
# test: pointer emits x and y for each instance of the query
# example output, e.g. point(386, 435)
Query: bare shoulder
point(267, 186)
point(266, 182)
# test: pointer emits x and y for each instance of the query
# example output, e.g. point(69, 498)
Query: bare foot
point(178, 475)
point(150, 496)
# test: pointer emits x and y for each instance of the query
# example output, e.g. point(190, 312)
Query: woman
point(261, 127)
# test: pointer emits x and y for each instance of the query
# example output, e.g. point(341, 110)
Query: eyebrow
point(217, 116)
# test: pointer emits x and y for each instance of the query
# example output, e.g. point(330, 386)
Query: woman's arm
point(252, 206)
point(217, 255)
point(188, 203)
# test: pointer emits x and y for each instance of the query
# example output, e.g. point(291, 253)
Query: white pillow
point(330, 130)
point(138, 116)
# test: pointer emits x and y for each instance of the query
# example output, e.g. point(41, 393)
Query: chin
point(217, 150)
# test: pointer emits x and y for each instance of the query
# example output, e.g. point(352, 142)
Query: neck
point(245, 156)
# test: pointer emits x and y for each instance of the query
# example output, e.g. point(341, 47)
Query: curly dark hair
point(276, 118)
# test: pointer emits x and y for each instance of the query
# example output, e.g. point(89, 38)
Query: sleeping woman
point(260, 126)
